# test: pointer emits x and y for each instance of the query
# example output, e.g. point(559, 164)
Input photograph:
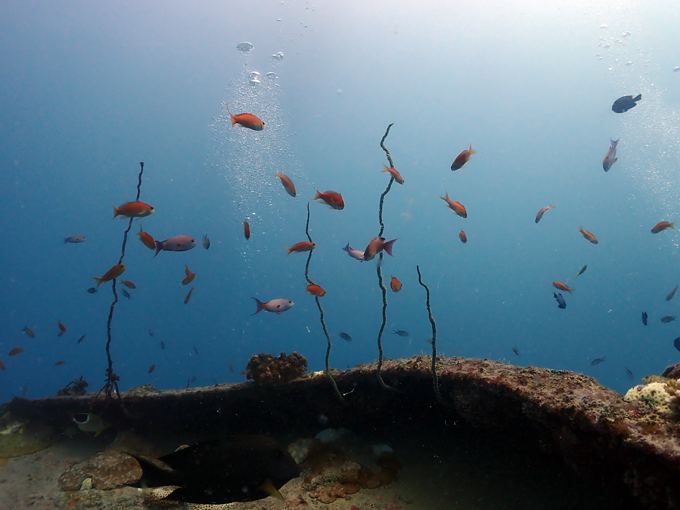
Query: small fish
point(92, 290)
point(315, 290)
point(462, 158)
point(162, 345)
point(331, 198)
point(74, 239)
point(287, 184)
point(177, 243)
point(456, 207)
point(301, 246)
point(277, 306)
point(661, 226)
point(153, 367)
point(345, 336)
point(610, 158)
point(395, 175)
point(128, 284)
point(395, 284)
point(88, 422)
point(206, 242)
point(667, 318)
point(561, 303)
point(80, 340)
point(462, 236)
point(561, 286)
point(16, 351)
point(62, 328)
point(676, 343)
point(125, 293)
point(2, 365)
point(146, 239)
point(190, 276)
point(629, 373)
point(29, 332)
point(112, 273)
point(377, 245)
point(231, 367)
point(671, 293)
point(401, 332)
point(625, 103)
point(133, 210)
point(246, 230)
point(58, 363)
point(590, 237)
point(193, 378)
point(597, 361)
point(355, 254)
point(540, 213)
point(583, 270)
point(151, 332)
point(247, 120)
point(644, 318)
point(198, 356)
point(515, 350)
point(186, 299)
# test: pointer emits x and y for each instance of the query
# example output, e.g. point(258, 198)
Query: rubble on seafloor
point(633, 443)
point(266, 369)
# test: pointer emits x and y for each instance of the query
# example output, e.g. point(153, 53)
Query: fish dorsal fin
point(269, 488)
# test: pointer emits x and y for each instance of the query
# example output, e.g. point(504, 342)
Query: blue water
point(89, 90)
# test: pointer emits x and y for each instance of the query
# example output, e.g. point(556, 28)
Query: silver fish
point(610, 158)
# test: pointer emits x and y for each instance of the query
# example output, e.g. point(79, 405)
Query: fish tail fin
point(116, 212)
point(99, 279)
point(386, 168)
point(347, 248)
point(638, 97)
point(65, 240)
point(155, 473)
point(445, 198)
point(388, 247)
point(318, 195)
point(471, 151)
point(670, 225)
point(159, 247)
point(269, 488)
point(290, 250)
point(260, 306)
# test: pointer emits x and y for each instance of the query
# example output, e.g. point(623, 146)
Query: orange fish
point(247, 120)
point(587, 235)
point(662, 225)
point(462, 237)
point(16, 351)
point(377, 245)
point(146, 239)
point(332, 198)
point(316, 290)
point(540, 213)
point(153, 367)
point(128, 284)
point(133, 210)
point(59, 363)
point(62, 328)
point(393, 172)
point(112, 273)
point(287, 184)
point(395, 284)
point(186, 299)
point(2, 365)
point(246, 230)
point(300, 247)
point(190, 276)
point(462, 158)
point(562, 286)
point(456, 207)
point(29, 332)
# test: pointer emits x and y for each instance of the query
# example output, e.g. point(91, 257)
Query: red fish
point(153, 367)
point(610, 158)
point(462, 237)
point(186, 299)
point(59, 363)
point(300, 247)
point(562, 286)
point(661, 226)
point(246, 230)
point(462, 158)
point(315, 290)
point(133, 210)
point(2, 365)
point(395, 284)
point(287, 184)
point(377, 245)
point(112, 273)
point(29, 332)
point(146, 239)
point(62, 328)
point(190, 276)
point(128, 284)
point(177, 243)
point(393, 172)
point(540, 213)
point(16, 351)
point(277, 306)
point(332, 198)
point(588, 235)
point(456, 207)
point(247, 120)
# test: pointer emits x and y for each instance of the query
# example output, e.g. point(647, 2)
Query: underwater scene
point(363, 254)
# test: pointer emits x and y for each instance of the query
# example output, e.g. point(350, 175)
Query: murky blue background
point(88, 90)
